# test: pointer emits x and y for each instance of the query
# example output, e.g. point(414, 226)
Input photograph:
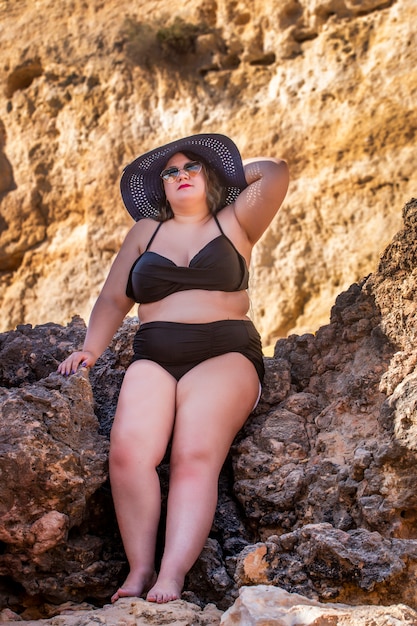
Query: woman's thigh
point(214, 400)
point(145, 411)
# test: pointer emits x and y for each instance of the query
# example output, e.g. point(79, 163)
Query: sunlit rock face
point(329, 86)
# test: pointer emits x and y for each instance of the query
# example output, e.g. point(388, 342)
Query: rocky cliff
point(318, 497)
point(330, 85)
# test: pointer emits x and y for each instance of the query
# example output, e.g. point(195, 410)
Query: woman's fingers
point(71, 363)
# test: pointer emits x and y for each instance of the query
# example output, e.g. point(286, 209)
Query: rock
point(134, 612)
point(6, 615)
point(261, 605)
point(52, 463)
point(327, 85)
point(319, 561)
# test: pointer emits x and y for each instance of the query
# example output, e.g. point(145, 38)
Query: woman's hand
point(71, 363)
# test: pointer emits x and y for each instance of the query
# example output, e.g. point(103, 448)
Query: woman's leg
point(213, 401)
point(139, 438)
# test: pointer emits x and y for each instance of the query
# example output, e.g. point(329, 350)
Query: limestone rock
point(319, 561)
point(261, 605)
point(328, 85)
point(52, 463)
point(134, 612)
point(339, 446)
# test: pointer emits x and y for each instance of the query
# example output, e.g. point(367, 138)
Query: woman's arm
point(257, 205)
point(111, 307)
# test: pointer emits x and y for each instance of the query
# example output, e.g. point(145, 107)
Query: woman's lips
point(184, 185)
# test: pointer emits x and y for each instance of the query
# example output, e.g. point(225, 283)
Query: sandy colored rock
point(134, 612)
point(274, 606)
point(87, 86)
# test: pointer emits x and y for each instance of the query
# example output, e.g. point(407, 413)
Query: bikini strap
point(218, 224)
point(229, 240)
point(153, 236)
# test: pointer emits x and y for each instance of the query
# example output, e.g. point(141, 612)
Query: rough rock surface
point(318, 496)
point(53, 461)
point(258, 606)
point(330, 85)
point(132, 612)
point(334, 460)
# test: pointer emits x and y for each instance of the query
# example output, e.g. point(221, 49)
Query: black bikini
point(217, 267)
point(179, 347)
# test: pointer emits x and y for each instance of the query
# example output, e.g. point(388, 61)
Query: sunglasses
point(171, 174)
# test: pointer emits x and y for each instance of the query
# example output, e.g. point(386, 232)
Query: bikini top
point(218, 266)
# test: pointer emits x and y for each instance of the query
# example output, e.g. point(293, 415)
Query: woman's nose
point(182, 172)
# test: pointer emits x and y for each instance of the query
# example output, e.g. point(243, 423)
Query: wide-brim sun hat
point(142, 188)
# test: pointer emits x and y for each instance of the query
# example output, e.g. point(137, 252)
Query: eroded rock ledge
point(318, 497)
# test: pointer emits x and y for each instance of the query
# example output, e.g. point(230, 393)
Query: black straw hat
point(142, 188)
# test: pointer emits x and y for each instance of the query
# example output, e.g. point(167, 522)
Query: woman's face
point(187, 186)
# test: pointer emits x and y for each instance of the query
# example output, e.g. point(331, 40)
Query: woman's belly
point(196, 307)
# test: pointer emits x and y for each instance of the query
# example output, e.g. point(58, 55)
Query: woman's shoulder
point(144, 227)
point(140, 233)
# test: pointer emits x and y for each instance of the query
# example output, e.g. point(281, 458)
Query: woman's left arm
point(257, 205)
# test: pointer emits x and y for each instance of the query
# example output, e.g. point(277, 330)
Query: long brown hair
point(215, 194)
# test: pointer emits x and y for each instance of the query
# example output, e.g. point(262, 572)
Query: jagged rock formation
point(329, 85)
point(318, 496)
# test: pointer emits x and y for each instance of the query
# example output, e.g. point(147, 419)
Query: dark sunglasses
point(171, 174)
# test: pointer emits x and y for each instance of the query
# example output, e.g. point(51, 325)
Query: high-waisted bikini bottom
point(180, 347)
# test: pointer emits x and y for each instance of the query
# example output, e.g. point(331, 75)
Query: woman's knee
point(132, 450)
point(189, 461)
point(124, 450)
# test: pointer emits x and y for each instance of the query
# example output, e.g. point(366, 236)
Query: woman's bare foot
point(165, 590)
point(134, 586)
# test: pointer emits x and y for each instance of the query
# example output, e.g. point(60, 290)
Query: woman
point(197, 369)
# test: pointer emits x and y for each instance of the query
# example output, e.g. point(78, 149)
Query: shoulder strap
point(218, 224)
point(153, 236)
